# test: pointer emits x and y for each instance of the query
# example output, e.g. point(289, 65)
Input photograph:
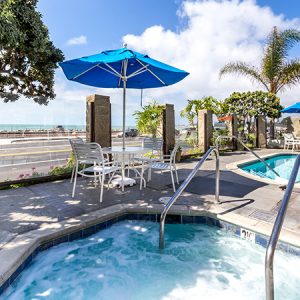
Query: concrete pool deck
point(30, 215)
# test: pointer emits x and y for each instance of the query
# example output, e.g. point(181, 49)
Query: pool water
point(282, 164)
point(124, 262)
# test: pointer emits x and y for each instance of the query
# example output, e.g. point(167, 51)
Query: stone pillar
point(232, 130)
point(294, 126)
point(205, 129)
point(261, 132)
point(98, 120)
point(168, 131)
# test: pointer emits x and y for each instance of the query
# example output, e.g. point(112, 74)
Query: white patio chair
point(79, 140)
point(155, 154)
point(290, 140)
point(155, 145)
point(72, 142)
point(166, 163)
point(91, 153)
point(155, 151)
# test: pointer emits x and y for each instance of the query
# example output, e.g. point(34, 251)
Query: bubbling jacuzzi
point(124, 262)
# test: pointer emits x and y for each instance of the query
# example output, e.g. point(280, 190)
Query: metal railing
point(182, 188)
point(276, 232)
point(223, 137)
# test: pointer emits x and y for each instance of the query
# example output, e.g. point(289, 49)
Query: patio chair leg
point(95, 179)
point(142, 177)
point(110, 179)
point(72, 176)
point(75, 179)
point(149, 174)
point(176, 176)
point(102, 184)
point(123, 176)
point(172, 177)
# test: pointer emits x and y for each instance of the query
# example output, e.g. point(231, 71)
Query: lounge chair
point(290, 140)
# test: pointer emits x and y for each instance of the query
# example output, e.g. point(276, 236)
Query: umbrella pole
point(124, 103)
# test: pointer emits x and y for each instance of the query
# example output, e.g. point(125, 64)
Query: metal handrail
point(250, 150)
point(276, 232)
point(184, 185)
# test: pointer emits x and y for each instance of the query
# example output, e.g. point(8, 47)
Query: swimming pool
point(281, 163)
point(124, 262)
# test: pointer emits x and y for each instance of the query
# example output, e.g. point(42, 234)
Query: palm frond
point(289, 75)
point(241, 68)
point(290, 37)
point(275, 72)
point(274, 55)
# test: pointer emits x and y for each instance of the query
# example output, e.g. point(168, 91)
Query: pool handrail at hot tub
point(184, 185)
point(223, 137)
point(269, 276)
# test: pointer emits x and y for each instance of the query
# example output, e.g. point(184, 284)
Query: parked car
point(129, 133)
point(187, 131)
point(59, 128)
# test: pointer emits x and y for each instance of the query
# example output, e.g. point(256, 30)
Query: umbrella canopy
point(121, 68)
point(295, 108)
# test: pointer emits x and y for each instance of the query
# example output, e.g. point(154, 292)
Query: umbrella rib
point(120, 78)
point(89, 69)
point(138, 72)
point(111, 72)
point(115, 72)
point(151, 72)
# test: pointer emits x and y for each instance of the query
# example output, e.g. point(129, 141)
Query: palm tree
point(276, 72)
point(191, 110)
point(148, 120)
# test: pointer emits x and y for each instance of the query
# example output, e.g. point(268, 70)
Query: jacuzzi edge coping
point(19, 252)
point(235, 167)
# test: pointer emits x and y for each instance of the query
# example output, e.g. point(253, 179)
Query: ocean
point(16, 127)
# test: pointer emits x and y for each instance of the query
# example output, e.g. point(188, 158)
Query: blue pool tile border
point(170, 219)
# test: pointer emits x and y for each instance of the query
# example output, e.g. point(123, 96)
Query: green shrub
point(59, 170)
point(223, 143)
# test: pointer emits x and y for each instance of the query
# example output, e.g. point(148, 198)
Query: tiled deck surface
point(45, 205)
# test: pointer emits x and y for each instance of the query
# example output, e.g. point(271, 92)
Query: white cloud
point(216, 32)
point(80, 40)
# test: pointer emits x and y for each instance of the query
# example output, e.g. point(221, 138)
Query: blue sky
point(105, 22)
point(198, 36)
point(290, 8)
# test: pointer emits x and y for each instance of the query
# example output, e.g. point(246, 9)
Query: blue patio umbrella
point(121, 68)
point(295, 108)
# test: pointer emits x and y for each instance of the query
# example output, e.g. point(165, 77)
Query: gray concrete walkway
point(45, 205)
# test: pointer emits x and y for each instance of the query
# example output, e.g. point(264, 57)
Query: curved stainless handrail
point(276, 232)
point(183, 186)
point(250, 150)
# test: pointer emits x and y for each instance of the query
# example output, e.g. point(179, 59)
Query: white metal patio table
point(124, 152)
